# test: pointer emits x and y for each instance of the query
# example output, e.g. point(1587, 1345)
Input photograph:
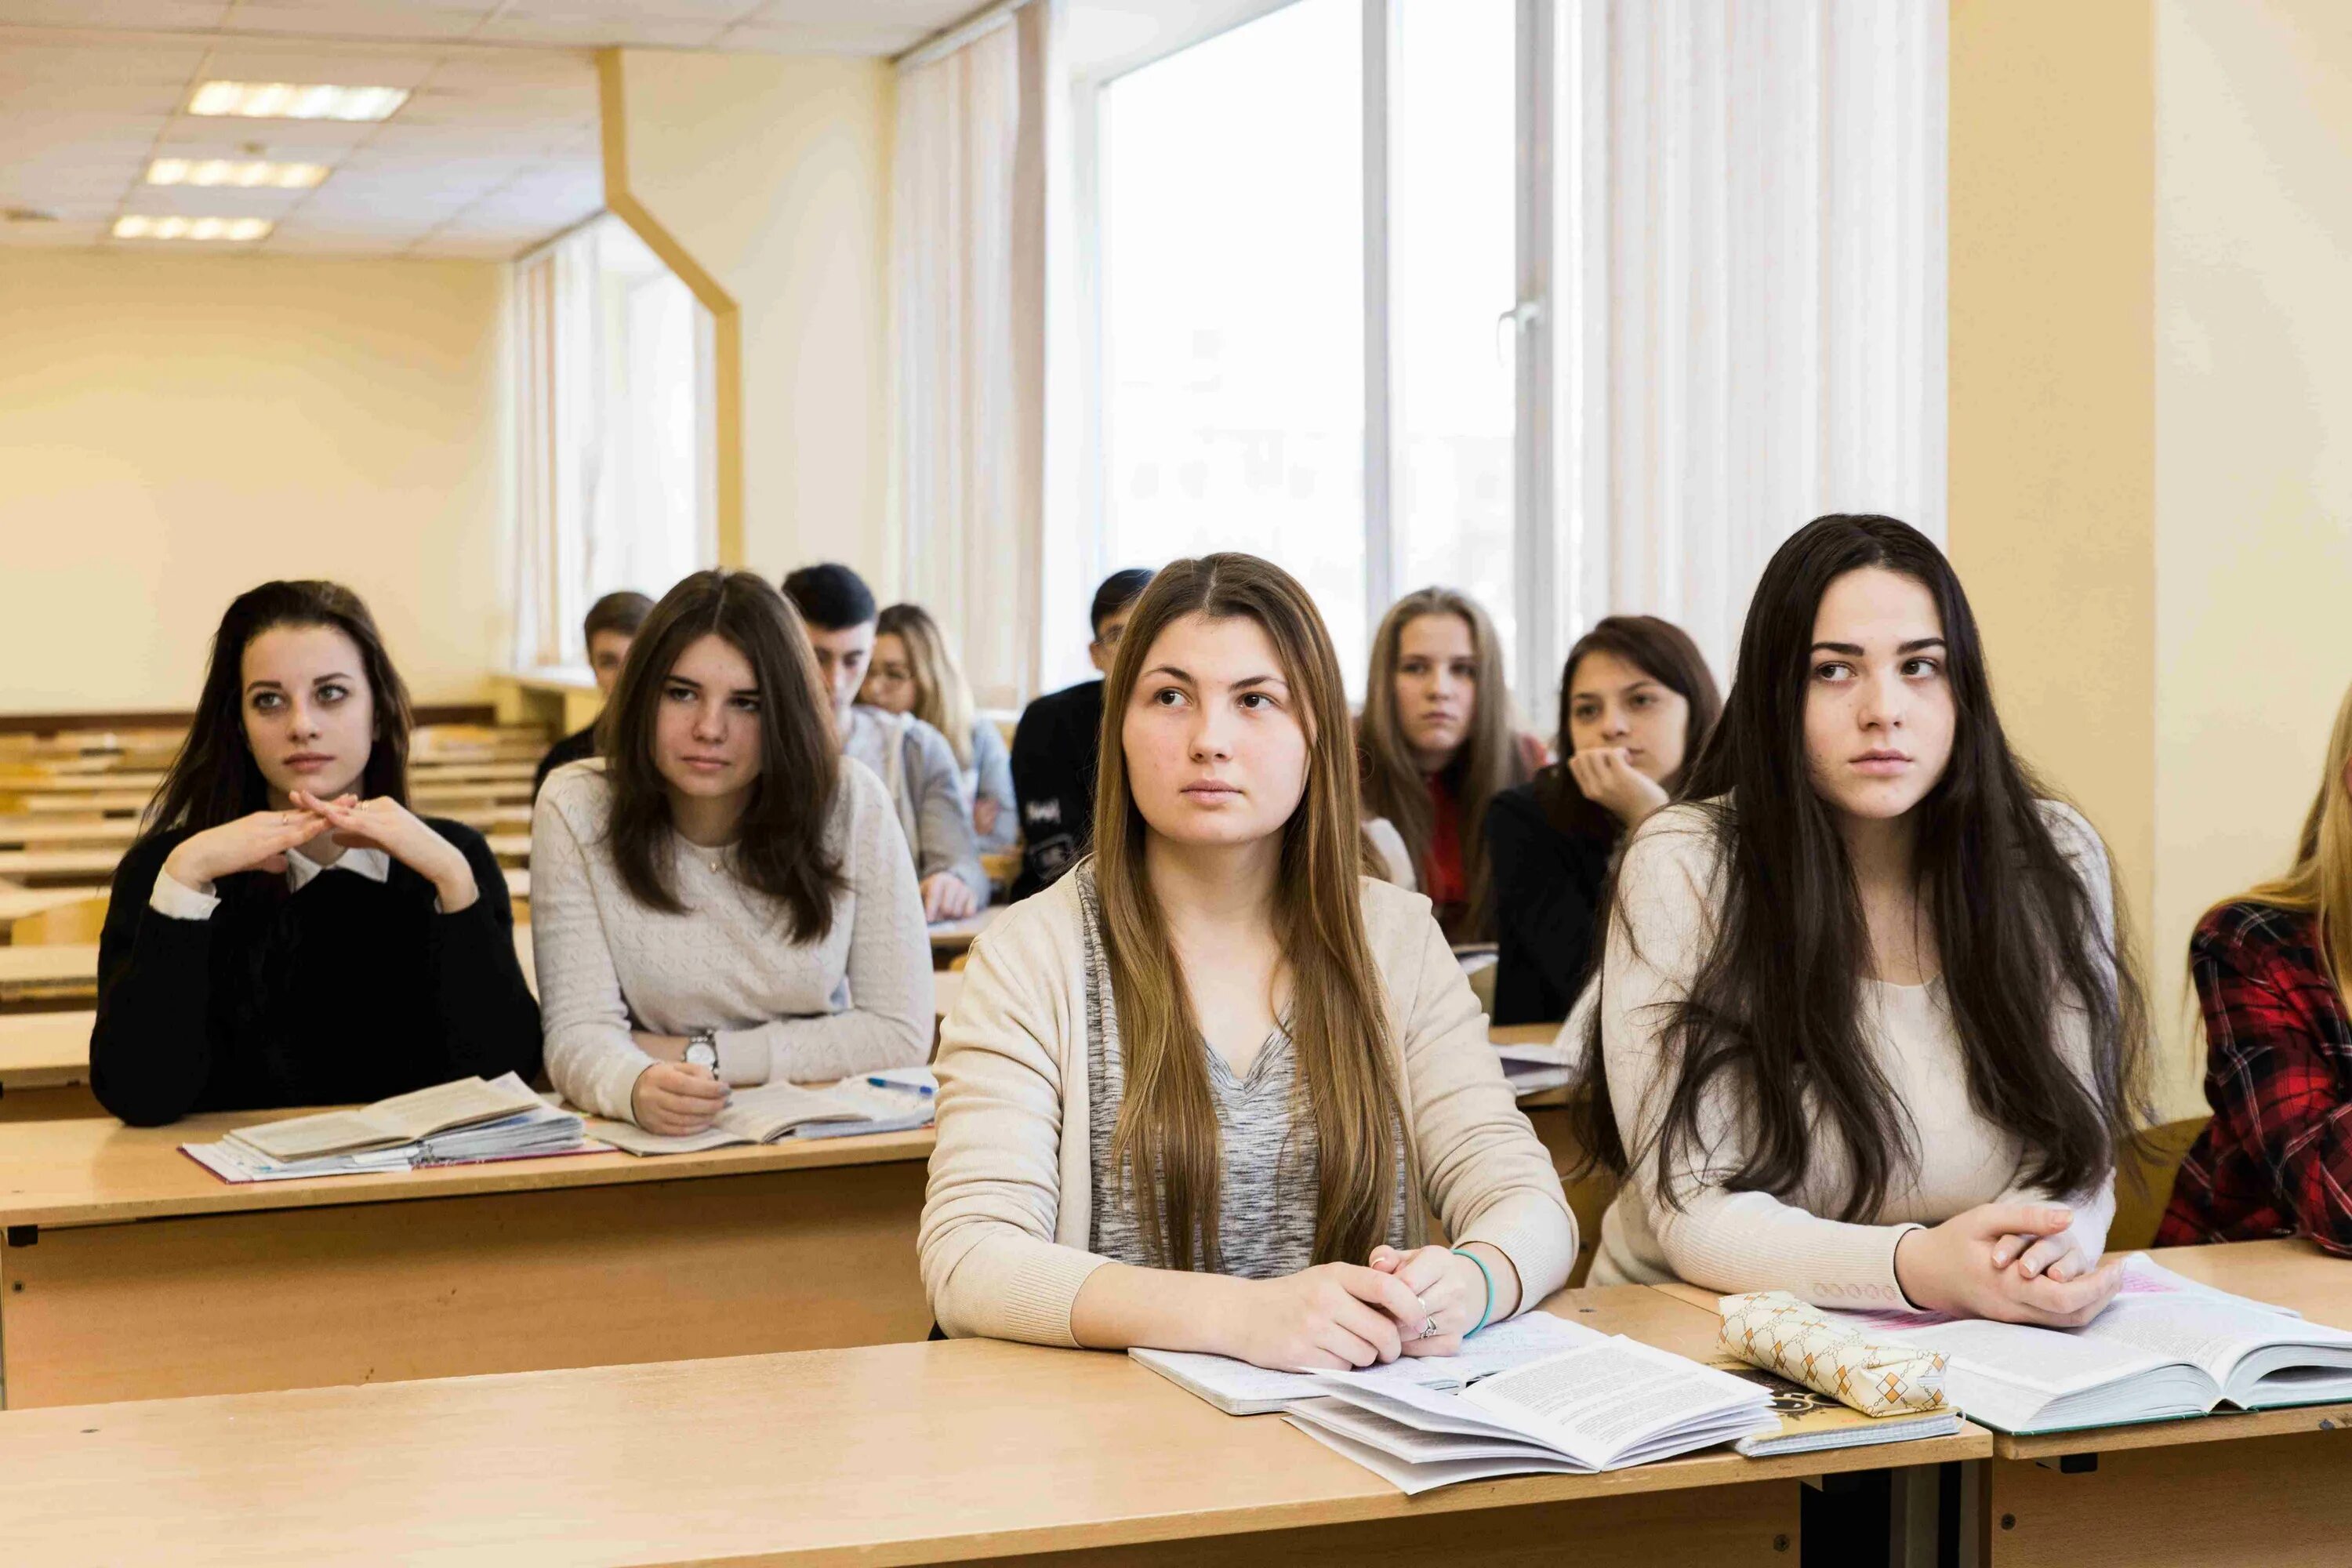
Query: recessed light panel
point(244, 173)
point(293, 100)
point(177, 227)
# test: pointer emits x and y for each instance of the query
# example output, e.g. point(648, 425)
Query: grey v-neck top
point(1266, 1142)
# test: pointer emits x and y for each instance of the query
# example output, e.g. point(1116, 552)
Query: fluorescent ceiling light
point(289, 101)
point(244, 173)
point(137, 227)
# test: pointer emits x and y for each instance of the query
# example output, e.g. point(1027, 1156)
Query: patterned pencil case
point(1773, 1330)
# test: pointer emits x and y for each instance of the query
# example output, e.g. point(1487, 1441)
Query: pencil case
point(1773, 1330)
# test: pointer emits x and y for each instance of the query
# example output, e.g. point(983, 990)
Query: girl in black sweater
point(1636, 702)
point(286, 932)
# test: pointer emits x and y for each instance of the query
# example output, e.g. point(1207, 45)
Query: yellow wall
point(175, 429)
point(2254, 312)
point(772, 173)
point(2053, 396)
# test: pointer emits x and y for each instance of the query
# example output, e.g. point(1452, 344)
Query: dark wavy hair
point(1774, 1008)
point(214, 778)
point(780, 846)
point(1659, 649)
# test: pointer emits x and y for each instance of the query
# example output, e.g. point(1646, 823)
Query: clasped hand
point(259, 840)
point(1338, 1316)
point(2012, 1263)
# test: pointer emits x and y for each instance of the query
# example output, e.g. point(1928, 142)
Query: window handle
point(1517, 320)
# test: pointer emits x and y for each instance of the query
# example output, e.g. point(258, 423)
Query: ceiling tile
point(152, 15)
point(450, 20)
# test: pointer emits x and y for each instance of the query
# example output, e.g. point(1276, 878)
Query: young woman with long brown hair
point(914, 671)
point(1636, 702)
point(720, 899)
point(1868, 1032)
point(1437, 745)
point(286, 932)
point(2270, 967)
point(1196, 1094)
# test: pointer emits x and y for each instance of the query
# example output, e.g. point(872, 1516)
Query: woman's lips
point(1882, 764)
point(309, 763)
point(706, 765)
point(1212, 792)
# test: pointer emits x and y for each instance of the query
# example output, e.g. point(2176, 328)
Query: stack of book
point(460, 1122)
point(883, 1103)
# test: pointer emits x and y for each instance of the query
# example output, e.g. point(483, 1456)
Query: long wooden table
point(2260, 1487)
point(893, 1454)
point(47, 972)
point(130, 1271)
point(45, 1067)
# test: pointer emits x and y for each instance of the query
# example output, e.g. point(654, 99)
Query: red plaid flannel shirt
point(2277, 1158)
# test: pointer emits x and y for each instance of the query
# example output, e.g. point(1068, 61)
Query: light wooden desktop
point(45, 1067)
point(893, 1454)
point(2261, 1488)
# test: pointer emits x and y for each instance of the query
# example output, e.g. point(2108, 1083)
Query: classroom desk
point(131, 1272)
point(60, 867)
point(105, 802)
point(17, 903)
point(511, 848)
point(47, 973)
point(2263, 1487)
point(48, 830)
point(962, 1450)
point(950, 939)
point(45, 1067)
point(31, 782)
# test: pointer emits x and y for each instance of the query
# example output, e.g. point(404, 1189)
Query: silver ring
point(1428, 1329)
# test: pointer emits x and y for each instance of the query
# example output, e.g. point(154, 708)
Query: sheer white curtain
point(1750, 290)
point(560, 397)
point(968, 237)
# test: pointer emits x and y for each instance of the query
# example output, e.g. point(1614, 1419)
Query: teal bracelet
point(1489, 1309)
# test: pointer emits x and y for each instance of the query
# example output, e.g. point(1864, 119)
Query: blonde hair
point(943, 696)
point(1488, 762)
point(2320, 883)
point(1164, 1146)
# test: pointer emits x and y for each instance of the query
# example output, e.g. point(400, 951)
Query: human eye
point(1923, 668)
point(1258, 702)
point(675, 692)
point(746, 702)
point(333, 691)
point(1641, 699)
point(1168, 697)
point(1585, 712)
point(267, 701)
point(1832, 670)
point(1465, 669)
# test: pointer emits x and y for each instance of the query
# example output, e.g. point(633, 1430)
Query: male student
point(913, 760)
point(1054, 749)
point(613, 621)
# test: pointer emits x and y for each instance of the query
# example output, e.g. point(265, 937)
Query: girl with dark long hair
point(718, 898)
point(1198, 1093)
point(1866, 1030)
point(1636, 702)
point(285, 932)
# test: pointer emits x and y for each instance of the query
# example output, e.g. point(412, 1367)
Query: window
point(615, 469)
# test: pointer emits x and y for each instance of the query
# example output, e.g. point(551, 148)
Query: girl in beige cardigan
point(1196, 1095)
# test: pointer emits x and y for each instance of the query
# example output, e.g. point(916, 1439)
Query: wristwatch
point(703, 1050)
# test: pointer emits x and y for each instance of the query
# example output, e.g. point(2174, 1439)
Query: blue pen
point(893, 1083)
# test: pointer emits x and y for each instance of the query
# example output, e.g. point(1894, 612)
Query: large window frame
point(1540, 589)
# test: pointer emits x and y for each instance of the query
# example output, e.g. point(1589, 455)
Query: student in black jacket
point(286, 932)
point(612, 624)
point(1054, 749)
point(1636, 702)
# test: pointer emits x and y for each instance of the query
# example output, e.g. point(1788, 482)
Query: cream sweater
point(1005, 1227)
point(1731, 1241)
point(856, 1000)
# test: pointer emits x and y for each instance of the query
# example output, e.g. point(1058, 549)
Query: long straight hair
point(1164, 1146)
point(214, 778)
point(1659, 649)
point(1488, 761)
point(943, 696)
point(779, 847)
point(1776, 1006)
point(2320, 882)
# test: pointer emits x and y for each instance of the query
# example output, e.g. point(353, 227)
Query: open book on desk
point(769, 1112)
point(451, 1124)
point(2166, 1347)
point(1237, 1388)
point(1607, 1403)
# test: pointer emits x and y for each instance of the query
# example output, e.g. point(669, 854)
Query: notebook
point(1811, 1423)
point(1609, 1403)
point(463, 1122)
point(1237, 1388)
point(769, 1112)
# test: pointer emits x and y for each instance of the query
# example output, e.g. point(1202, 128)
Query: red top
point(2277, 1158)
point(1442, 878)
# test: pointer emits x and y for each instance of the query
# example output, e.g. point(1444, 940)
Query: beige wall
point(2052, 394)
point(772, 173)
point(2253, 318)
point(175, 429)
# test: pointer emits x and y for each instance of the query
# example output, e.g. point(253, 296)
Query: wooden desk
point(60, 867)
point(511, 848)
point(2266, 1488)
point(521, 771)
point(578, 1260)
point(16, 903)
point(952, 938)
point(48, 829)
point(106, 802)
point(894, 1454)
point(47, 973)
point(31, 782)
point(45, 1067)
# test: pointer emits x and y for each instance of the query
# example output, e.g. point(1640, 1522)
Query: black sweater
point(580, 743)
point(1548, 887)
point(348, 991)
point(1054, 756)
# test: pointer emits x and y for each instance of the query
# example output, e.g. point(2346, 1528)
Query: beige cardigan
point(1006, 1223)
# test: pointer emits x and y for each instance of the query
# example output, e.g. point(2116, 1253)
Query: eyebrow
point(1241, 685)
point(1855, 650)
point(315, 680)
point(731, 691)
point(1629, 686)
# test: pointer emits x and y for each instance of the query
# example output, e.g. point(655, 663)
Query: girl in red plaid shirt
point(2277, 1160)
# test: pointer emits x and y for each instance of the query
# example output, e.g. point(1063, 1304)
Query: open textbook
point(1604, 1405)
point(451, 1124)
point(1237, 1388)
point(2166, 1347)
point(780, 1110)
